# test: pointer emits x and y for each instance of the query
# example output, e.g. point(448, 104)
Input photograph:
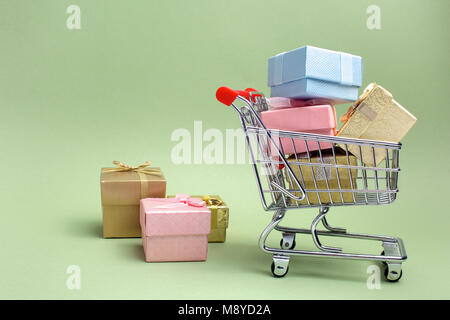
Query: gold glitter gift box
point(315, 177)
point(375, 116)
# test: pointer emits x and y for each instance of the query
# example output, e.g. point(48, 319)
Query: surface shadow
point(80, 227)
point(133, 251)
point(248, 256)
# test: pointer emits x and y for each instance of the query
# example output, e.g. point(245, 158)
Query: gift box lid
point(181, 215)
point(301, 118)
point(315, 63)
point(128, 187)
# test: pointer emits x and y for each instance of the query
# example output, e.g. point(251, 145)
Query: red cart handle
point(227, 95)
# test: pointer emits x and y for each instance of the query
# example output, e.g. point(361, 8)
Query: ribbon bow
point(184, 198)
point(345, 117)
point(122, 167)
point(211, 201)
point(180, 198)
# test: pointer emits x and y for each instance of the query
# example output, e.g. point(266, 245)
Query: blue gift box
point(310, 73)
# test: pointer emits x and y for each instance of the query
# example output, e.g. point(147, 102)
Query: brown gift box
point(375, 116)
point(121, 192)
point(219, 217)
point(321, 173)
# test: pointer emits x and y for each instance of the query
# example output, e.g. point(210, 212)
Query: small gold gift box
point(219, 217)
point(308, 173)
point(375, 116)
point(122, 188)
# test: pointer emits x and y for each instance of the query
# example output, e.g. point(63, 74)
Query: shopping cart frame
point(283, 199)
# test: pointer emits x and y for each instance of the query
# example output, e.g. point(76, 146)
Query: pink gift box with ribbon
point(309, 119)
point(175, 229)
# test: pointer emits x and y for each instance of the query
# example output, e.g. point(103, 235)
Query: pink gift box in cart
point(319, 119)
point(175, 229)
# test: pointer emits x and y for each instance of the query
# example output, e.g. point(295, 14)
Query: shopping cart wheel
point(393, 272)
point(288, 241)
point(280, 266)
point(287, 245)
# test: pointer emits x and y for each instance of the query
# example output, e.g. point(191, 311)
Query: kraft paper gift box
point(347, 177)
point(121, 190)
point(309, 119)
point(309, 72)
point(175, 229)
point(219, 217)
point(375, 116)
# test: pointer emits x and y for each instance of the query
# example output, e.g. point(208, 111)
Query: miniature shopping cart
point(281, 183)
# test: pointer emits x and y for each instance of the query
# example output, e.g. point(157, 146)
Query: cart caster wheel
point(392, 275)
point(288, 241)
point(280, 266)
point(286, 245)
point(276, 274)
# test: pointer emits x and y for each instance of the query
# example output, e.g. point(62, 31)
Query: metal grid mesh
point(329, 176)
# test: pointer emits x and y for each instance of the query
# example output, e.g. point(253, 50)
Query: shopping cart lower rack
point(281, 183)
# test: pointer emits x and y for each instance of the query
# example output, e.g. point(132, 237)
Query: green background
point(72, 101)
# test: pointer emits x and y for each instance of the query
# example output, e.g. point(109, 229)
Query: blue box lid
point(315, 63)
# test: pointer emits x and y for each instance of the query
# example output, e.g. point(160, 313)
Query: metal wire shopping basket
point(333, 171)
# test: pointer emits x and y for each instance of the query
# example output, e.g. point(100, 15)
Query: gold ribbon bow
point(346, 116)
point(211, 201)
point(141, 170)
point(221, 220)
point(121, 167)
